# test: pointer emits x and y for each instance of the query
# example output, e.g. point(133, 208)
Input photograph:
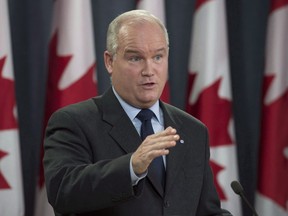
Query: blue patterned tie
point(156, 167)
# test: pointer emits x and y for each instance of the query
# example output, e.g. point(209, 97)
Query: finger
point(168, 131)
point(160, 145)
point(167, 134)
point(153, 150)
point(152, 139)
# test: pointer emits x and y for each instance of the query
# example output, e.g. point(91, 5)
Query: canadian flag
point(157, 8)
point(72, 64)
point(272, 196)
point(11, 188)
point(209, 97)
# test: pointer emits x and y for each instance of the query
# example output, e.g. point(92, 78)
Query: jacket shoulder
point(180, 115)
point(80, 109)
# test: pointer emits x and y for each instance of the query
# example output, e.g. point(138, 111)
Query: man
point(95, 160)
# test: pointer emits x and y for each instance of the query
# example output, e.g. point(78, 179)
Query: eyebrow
point(161, 50)
point(139, 52)
point(131, 51)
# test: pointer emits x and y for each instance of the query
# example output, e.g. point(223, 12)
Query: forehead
point(141, 35)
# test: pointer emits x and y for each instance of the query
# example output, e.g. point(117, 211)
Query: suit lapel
point(125, 134)
point(123, 130)
point(156, 184)
point(177, 154)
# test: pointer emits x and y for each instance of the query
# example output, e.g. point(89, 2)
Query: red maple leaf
point(3, 183)
point(215, 113)
point(82, 89)
point(7, 100)
point(273, 170)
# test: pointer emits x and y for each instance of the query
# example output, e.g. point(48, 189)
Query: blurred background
point(227, 67)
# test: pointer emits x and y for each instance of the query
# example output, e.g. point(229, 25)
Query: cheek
point(125, 77)
point(163, 74)
point(130, 73)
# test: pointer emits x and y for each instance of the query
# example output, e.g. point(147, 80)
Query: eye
point(158, 58)
point(135, 59)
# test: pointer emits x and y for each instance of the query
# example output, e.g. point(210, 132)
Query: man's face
point(140, 68)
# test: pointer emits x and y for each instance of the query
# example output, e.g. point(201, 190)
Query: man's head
point(137, 57)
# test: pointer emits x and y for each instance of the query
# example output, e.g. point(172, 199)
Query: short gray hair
point(132, 16)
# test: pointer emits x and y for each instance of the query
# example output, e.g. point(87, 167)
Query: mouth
point(148, 85)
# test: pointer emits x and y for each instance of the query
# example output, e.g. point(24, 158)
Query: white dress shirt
point(157, 124)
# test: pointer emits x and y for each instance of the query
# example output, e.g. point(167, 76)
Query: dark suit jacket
point(87, 152)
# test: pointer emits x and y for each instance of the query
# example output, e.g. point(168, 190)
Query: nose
point(148, 69)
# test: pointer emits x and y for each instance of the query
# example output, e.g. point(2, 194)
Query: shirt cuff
point(135, 178)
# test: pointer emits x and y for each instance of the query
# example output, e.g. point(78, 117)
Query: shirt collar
point(133, 111)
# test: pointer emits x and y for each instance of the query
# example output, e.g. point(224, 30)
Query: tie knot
point(145, 114)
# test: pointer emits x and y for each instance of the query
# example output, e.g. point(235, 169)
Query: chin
point(149, 103)
point(148, 98)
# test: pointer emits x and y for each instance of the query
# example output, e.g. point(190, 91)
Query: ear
point(108, 60)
